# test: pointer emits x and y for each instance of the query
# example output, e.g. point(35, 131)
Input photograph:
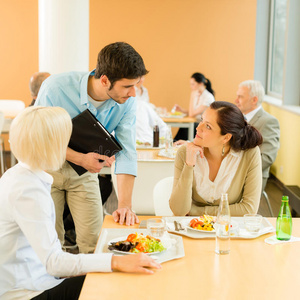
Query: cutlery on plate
point(178, 226)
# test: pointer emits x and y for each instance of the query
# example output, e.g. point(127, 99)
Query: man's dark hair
point(119, 60)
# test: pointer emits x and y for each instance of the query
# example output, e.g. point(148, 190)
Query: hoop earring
point(223, 150)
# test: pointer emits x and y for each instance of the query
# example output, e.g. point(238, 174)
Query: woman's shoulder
point(208, 95)
point(252, 152)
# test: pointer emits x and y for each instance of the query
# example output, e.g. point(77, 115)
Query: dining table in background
point(7, 123)
point(146, 154)
point(252, 270)
point(185, 122)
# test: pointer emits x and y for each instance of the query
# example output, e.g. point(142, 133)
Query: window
point(277, 51)
point(277, 47)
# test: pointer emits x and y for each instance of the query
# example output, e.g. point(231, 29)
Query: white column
point(63, 35)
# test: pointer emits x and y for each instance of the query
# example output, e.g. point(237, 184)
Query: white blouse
point(211, 191)
point(31, 258)
point(206, 99)
point(144, 96)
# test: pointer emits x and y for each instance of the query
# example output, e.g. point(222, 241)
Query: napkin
point(272, 240)
point(171, 153)
point(170, 226)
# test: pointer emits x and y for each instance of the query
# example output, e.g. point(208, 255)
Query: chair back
point(11, 108)
point(149, 173)
point(161, 195)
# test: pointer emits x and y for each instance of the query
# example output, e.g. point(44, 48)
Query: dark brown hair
point(231, 120)
point(119, 60)
point(201, 78)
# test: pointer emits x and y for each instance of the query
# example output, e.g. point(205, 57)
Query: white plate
point(147, 147)
point(175, 116)
point(233, 223)
point(124, 238)
point(186, 223)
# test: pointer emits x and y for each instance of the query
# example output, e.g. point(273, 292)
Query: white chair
point(1, 143)
point(161, 195)
point(149, 173)
point(11, 108)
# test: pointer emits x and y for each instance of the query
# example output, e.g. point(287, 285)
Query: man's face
point(243, 101)
point(122, 90)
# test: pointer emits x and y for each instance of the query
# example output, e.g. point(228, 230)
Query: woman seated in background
point(223, 158)
point(202, 96)
point(32, 261)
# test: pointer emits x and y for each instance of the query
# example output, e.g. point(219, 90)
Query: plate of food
point(146, 145)
point(203, 223)
point(175, 114)
point(136, 243)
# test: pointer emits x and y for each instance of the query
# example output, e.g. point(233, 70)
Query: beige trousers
point(82, 194)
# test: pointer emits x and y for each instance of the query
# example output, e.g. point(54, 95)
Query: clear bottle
point(223, 227)
point(284, 221)
point(155, 136)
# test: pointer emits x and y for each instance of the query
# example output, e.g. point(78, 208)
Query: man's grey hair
point(256, 89)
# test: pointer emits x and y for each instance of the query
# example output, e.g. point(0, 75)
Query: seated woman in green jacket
point(223, 158)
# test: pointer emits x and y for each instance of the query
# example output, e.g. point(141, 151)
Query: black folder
point(89, 135)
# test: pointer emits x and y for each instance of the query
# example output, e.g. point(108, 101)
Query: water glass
point(252, 222)
point(156, 227)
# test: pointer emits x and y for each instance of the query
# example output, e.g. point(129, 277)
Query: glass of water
point(156, 227)
point(252, 222)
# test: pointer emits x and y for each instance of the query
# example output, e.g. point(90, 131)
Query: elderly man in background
point(35, 83)
point(250, 95)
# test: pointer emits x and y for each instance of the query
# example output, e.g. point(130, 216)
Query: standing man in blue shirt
point(107, 92)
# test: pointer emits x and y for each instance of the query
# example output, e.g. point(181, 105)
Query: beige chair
point(149, 174)
point(161, 195)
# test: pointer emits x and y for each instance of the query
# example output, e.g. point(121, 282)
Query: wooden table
point(186, 122)
point(252, 270)
point(7, 123)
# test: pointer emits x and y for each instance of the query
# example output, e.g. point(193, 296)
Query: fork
point(178, 226)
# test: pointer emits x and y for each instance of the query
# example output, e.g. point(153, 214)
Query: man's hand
point(124, 213)
point(90, 162)
point(138, 263)
point(191, 153)
point(109, 161)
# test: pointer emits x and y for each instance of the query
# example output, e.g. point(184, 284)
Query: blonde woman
point(223, 158)
point(32, 263)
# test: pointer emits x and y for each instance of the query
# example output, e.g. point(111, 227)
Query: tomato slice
point(131, 237)
point(193, 222)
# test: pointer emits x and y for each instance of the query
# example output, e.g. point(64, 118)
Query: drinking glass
point(252, 222)
point(156, 227)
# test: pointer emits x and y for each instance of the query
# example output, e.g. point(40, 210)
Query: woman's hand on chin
point(191, 153)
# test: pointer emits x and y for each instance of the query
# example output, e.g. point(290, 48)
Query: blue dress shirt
point(69, 91)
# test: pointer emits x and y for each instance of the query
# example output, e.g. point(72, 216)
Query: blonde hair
point(39, 137)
